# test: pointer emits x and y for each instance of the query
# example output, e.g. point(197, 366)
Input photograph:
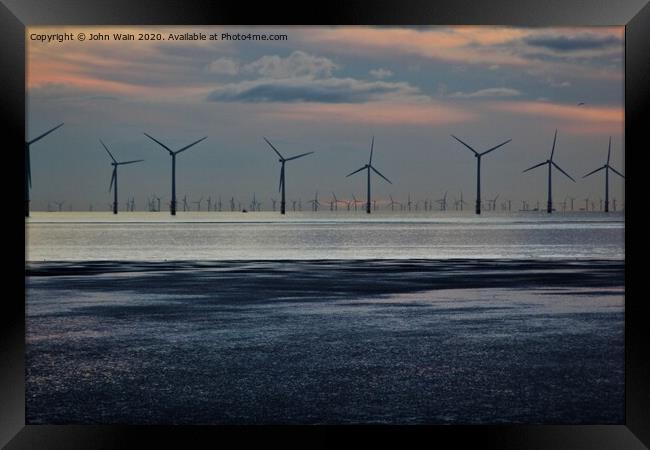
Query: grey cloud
point(297, 64)
point(330, 90)
point(224, 66)
point(381, 73)
point(489, 92)
point(569, 44)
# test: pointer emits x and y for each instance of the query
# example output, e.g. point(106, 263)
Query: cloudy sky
point(327, 90)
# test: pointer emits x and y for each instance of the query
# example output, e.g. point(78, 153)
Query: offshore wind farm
point(326, 253)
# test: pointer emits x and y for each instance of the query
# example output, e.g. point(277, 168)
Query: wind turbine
point(283, 161)
point(315, 204)
point(113, 184)
point(393, 203)
point(493, 203)
point(28, 166)
point(461, 202)
point(334, 203)
point(607, 168)
point(198, 203)
point(478, 168)
point(356, 202)
point(369, 167)
point(587, 202)
point(551, 164)
point(173, 155)
point(443, 202)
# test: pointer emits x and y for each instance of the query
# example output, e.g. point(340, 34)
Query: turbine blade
point(110, 187)
point(109, 153)
point(553, 148)
point(299, 156)
point(44, 134)
point(281, 178)
point(378, 173)
point(466, 145)
point(495, 147)
point(274, 149)
point(616, 172)
point(372, 146)
point(535, 166)
point(560, 169)
point(188, 146)
point(609, 149)
point(358, 170)
point(159, 143)
point(130, 162)
point(594, 171)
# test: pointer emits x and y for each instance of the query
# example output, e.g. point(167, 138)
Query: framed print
point(405, 214)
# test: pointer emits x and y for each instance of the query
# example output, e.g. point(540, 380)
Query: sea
point(328, 317)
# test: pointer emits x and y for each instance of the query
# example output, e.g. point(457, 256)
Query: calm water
point(324, 235)
point(453, 341)
point(325, 318)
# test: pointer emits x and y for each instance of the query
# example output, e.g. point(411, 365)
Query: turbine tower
point(172, 205)
point(478, 168)
point(551, 164)
point(113, 184)
point(28, 166)
point(283, 160)
point(369, 167)
point(607, 168)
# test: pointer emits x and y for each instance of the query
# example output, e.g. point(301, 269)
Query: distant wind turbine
point(461, 202)
point(393, 203)
point(173, 155)
point(442, 202)
point(315, 204)
point(198, 203)
point(493, 203)
point(369, 167)
point(478, 168)
point(283, 161)
point(28, 166)
point(551, 164)
point(607, 168)
point(115, 164)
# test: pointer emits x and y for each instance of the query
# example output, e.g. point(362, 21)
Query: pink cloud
point(380, 113)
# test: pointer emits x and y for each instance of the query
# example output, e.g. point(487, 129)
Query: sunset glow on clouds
point(338, 81)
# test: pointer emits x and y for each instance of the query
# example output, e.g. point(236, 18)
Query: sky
point(328, 90)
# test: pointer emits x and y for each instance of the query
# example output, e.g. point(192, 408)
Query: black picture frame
point(15, 15)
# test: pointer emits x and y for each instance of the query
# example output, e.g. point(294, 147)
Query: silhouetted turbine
point(369, 167)
point(607, 168)
point(551, 164)
point(28, 166)
point(478, 168)
point(113, 184)
point(283, 160)
point(172, 205)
